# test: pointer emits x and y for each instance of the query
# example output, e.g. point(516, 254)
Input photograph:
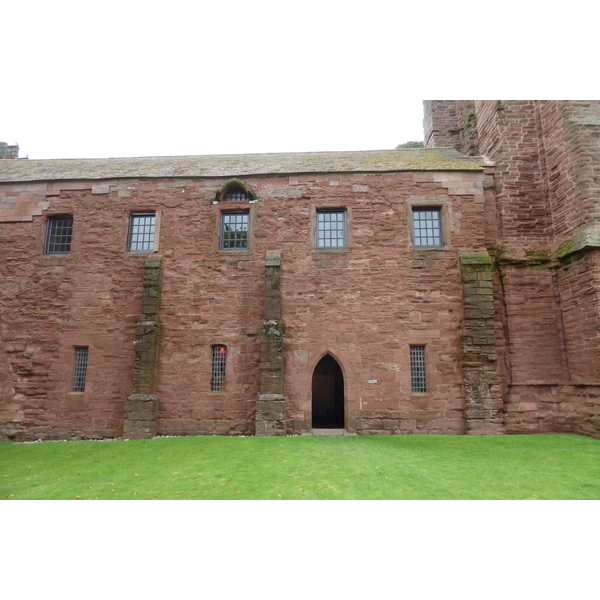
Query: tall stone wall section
point(543, 235)
point(571, 144)
point(367, 304)
point(51, 304)
point(547, 157)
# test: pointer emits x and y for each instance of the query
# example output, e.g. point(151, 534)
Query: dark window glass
point(331, 229)
point(219, 359)
point(417, 369)
point(59, 231)
point(81, 356)
point(236, 194)
point(141, 232)
point(427, 227)
point(234, 230)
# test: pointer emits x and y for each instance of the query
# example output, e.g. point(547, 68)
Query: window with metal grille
point(219, 359)
point(234, 230)
point(59, 231)
point(417, 369)
point(141, 232)
point(235, 194)
point(81, 359)
point(427, 227)
point(331, 229)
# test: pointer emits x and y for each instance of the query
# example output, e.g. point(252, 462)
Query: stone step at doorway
point(331, 432)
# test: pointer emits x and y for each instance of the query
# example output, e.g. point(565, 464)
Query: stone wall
point(365, 304)
point(511, 342)
point(51, 304)
point(542, 229)
point(547, 157)
point(451, 124)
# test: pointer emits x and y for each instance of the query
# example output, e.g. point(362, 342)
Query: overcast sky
point(131, 78)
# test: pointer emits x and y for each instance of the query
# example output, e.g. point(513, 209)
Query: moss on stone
point(470, 263)
point(475, 259)
point(271, 329)
point(578, 242)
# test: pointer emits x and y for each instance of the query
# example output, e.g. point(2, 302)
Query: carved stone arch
point(317, 356)
point(232, 184)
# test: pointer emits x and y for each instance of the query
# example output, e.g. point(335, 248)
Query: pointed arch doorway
point(328, 394)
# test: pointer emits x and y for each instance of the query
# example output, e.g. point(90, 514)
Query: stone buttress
point(271, 403)
point(483, 398)
point(142, 405)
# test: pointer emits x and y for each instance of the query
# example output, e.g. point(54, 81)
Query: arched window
point(234, 190)
point(236, 194)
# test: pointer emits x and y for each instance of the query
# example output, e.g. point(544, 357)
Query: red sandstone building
point(449, 289)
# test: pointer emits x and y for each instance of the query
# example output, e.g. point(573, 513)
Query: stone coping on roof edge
point(236, 165)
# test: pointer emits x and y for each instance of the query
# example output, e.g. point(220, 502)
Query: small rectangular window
point(59, 231)
point(331, 229)
point(417, 369)
point(427, 227)
point(81, 357)
point(234, 230)
point(141, 232)
point(219, 360)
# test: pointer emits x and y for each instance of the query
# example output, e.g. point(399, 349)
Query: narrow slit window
point(141, 232)
point(219, 360)
point(417, 369)
point(331, 229)
point(81, 360)
point(59, 231)
point(427, 227)
point(234, 230)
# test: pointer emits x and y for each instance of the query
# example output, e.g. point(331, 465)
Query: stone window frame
point(315, 228)
point(156, 233)
point(440, 203)
point(52, 223)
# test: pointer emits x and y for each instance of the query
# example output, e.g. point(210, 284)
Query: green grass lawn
point(413, 467)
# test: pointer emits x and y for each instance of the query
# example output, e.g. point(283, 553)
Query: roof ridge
point(234, 165)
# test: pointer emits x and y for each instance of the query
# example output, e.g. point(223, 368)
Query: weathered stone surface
point(142, 405)
point(508, 310)
point(483, 399)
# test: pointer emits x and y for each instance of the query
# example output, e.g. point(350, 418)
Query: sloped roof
point(235, 165)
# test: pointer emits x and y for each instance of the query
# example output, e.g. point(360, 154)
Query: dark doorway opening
point(328, 395)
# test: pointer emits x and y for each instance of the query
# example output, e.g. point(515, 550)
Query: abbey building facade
point(449, 289)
